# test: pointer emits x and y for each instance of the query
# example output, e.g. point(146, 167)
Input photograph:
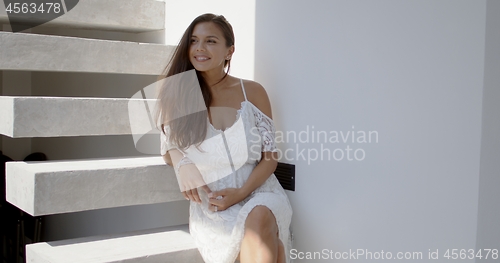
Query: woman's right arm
point(167, 159)
point(188, 175)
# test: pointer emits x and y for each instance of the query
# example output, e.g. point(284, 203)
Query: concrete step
point(116, 15)
point(54, 187)
point(67, 116)
point(35, 52)
point(172, 244)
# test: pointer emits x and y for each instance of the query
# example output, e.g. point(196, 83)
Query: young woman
point(224, 156)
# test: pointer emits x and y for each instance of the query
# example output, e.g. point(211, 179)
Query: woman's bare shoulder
point(257, 95)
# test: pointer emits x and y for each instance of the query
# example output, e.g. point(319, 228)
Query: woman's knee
point(262, 221)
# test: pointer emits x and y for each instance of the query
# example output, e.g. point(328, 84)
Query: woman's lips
point(201, 58)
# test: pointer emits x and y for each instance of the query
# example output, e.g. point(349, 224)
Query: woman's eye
point(211, 41)
point(193, 40)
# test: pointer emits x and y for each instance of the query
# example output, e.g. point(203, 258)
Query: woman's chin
point(201, 68)
point(206, 68)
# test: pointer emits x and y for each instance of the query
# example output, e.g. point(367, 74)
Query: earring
point(228, 57)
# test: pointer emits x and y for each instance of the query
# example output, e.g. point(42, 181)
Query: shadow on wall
point(17, 228)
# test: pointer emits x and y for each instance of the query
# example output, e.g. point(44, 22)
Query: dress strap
point(243, 89)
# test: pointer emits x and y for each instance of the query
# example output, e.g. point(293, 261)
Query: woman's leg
point(281, 252)
point(261, 242)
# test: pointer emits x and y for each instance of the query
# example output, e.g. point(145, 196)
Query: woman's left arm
point(264, 168)
point(260, 173)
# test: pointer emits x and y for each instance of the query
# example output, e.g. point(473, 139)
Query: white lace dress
point(226, 161)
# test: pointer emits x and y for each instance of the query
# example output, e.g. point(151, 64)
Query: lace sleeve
point(182, 162)
point(265, 125)
point(165, 144)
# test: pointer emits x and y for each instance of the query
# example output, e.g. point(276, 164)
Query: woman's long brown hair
point(185, 127)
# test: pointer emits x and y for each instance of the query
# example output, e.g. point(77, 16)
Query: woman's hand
point(223, 199)
point(189, 180)
point(188, 176)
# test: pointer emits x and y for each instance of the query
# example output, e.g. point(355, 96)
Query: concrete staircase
point(59, 53)
point(56, 187)
point(116, 15)
point(28, 117)
point(165, 245)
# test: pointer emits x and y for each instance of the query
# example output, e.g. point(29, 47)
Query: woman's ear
point(230, 52)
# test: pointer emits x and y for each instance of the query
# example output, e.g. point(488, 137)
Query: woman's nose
point(200, 46)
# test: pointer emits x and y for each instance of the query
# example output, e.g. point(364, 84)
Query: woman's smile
point(201, 58)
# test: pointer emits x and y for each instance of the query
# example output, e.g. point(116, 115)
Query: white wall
point(410, 70)
point(488, 232)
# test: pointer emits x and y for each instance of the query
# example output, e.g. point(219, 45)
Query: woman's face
point(208, 50)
